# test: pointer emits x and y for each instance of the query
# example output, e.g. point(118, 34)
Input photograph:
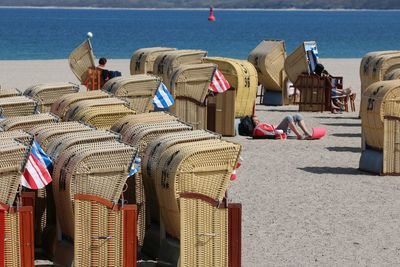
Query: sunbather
point(289, 122)
point(106, 74)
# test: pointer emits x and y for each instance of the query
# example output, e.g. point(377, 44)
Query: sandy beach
point(304, 202)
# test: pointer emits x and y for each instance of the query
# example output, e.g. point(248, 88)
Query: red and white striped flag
point(219, 84)
point(36, 175)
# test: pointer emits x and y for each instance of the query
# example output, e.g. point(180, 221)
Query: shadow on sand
point(333, 170)
point(344, 149)
point(347, 135)
point(343, 124)
point(338, 118)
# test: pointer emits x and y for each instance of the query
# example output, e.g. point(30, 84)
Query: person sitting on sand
point(289, 122)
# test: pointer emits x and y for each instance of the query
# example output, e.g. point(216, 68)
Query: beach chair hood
point(81, 59)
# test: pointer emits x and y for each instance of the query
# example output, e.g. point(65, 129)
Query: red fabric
point(219, 84)
point(35, 175)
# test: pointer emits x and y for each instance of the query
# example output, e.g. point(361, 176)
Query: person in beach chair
point(106, 74)
point(339, 96)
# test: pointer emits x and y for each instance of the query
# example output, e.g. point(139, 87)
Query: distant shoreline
point(200, 9)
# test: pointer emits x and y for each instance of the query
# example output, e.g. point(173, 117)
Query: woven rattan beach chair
point(27, 122)
point(7, 92)
point(46, 94)
point(45, 134)
point(16, 232)
point(60, 143)
point(269, 58)
point(375, 65)
point(190, 87)
point(242, 77)
point(105, 233)
point(102, 117)
point(301, 60)
point(99, 169)
point(130, 120)
point(391, 151)
point(17, 106)
point(62, 105)
point(200, 167)
point(140, 135)
point(18, 135)
point(152, 155)
point(13, 156)
point(380, 99)
point(81, 59)
point(81, 106)
point(142, 60)
point(139, 90)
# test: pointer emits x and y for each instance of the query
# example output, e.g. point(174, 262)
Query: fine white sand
point(304, 202)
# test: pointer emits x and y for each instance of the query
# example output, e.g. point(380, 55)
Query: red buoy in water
point(211, 17)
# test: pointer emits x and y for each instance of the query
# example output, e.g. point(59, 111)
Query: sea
point(52, 33)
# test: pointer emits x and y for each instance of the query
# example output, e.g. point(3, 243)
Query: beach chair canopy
point(81, 59)
point(302, 60)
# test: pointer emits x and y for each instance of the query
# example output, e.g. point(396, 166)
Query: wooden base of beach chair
point(94, 80)
point(16, 235)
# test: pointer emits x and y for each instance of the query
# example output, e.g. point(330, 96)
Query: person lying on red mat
point(263, 130)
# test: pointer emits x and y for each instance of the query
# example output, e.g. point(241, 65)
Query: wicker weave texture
point(62, 105)
point(242, 76)
point(130, 120)
point(26, 123)
point(379, 99)
point(392, 75)
point(12, 249)
point(192, 113)
point(269, 59)
point(203, 234)
point(391, 146)
point(8, 92)
point(98, 239)
point(142, 60)
point(17, 106)
point(19, 135)
point(296, 62)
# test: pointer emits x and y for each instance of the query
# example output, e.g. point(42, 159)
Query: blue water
point(53, 33)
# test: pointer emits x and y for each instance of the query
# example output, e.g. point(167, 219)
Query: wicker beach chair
point(99, 169)
point(140, 135)
point(81, 106)
point(18, 135)
point(380, 99)
point(46, 94)
point(60, 143)
point(152, 155)
point(7, 92)
point(105, 233)
point(63, 104)
point(81, 59)
point(17, 106)
point(269, 59)
point(129, 120)
point(242, 77)
point(391, 151)
point(139, 90)
point(202, 167)
point(190, 87)
point(27, 122)
point(142, 60)
point(13, 156)
point(102, 117)
point(302, 60)
point(375, 65)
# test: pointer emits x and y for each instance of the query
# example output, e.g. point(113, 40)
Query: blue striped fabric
point(163, 99)
point(41, 155)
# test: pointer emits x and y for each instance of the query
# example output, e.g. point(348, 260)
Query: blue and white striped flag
point(163, 98)
point(135, 166)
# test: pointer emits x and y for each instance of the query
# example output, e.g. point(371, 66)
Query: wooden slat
point(26, 236)
point(235, 234)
